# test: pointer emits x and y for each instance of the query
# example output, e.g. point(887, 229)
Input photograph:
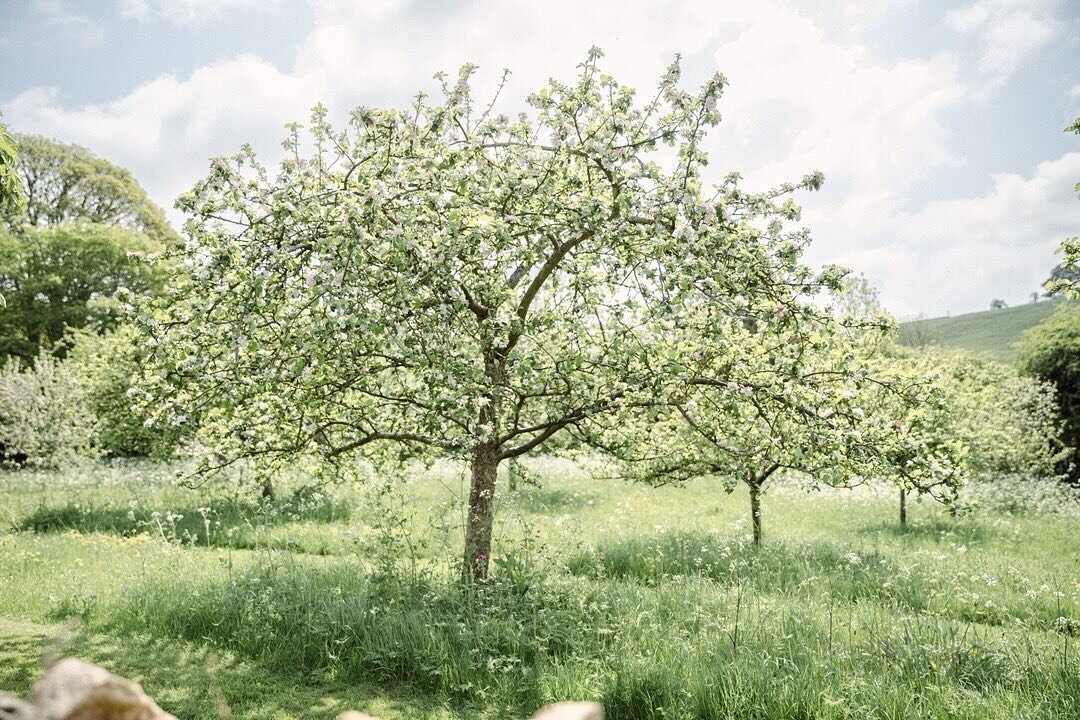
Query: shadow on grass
point(548, 501)
point(225, 522)
point(192, 682)
point(21, 648)
point(938, 529)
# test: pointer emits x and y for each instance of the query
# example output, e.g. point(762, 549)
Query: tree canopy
point(11, 193)
point(68, 276)
point(447, 279)
point(1051, 351)
point(67, 183)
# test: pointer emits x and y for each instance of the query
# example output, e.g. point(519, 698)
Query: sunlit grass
point(651, 600)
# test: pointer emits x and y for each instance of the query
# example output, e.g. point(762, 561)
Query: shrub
point(1051, 351)
point(44, 418)
point(107, 366)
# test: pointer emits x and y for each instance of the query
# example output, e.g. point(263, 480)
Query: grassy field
point(989, 331)
point(651, 601)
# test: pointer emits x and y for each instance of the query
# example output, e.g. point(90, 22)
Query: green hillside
point(990, 331)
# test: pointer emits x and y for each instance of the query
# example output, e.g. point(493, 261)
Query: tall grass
point(652, 601)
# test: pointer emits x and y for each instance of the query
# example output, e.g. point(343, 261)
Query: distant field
point(989, 331)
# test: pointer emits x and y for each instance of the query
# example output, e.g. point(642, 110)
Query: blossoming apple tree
point(445, 279)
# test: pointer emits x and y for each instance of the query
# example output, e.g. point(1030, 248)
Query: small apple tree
point(805, 392)
point(443, 279)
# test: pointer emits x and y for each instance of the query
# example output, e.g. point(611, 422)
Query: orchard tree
point(11, 193)
point(67, 184)
point(772, 399)
point(923, 452)
point(1065, 278)
point(444, 279)
point(804, 391)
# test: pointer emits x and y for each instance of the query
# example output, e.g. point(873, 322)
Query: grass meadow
point(649, 600)
point(994, 332)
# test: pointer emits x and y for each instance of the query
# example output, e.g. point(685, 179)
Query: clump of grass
point(337, 621)
point(224, 522)
point(783, 567)
point(690, 648)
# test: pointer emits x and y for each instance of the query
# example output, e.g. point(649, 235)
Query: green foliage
point(44, 420)
point(69, 184)
point(69, 276)
point(1008, 421)
point(12, 199)
point(454, 281)
point(1051, 351)
point(108, 365)
point(911, 426)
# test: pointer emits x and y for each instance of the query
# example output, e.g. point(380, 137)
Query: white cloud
point(189, 11)
point(956, 255)
point(805, 95)
point(1008, 31)
point(833, 109)
point(165, 129)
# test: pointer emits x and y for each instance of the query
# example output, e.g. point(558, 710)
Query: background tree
point(998, 304)
point(68, 276)
point(1051, 351)
point(107, 366)
point(918, 333)
point(445, 279)
point(68, 184)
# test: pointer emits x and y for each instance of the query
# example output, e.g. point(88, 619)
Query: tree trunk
point(511, 471)
point(903, 506)
point(755, 510)
point(485, 467)
point(268, 489)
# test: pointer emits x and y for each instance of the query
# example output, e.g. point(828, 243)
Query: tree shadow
point(21, 650)
point(222, 523)
point(548, 501)
point(939, 529)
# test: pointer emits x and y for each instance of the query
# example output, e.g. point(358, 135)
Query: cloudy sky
point(938, 125)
